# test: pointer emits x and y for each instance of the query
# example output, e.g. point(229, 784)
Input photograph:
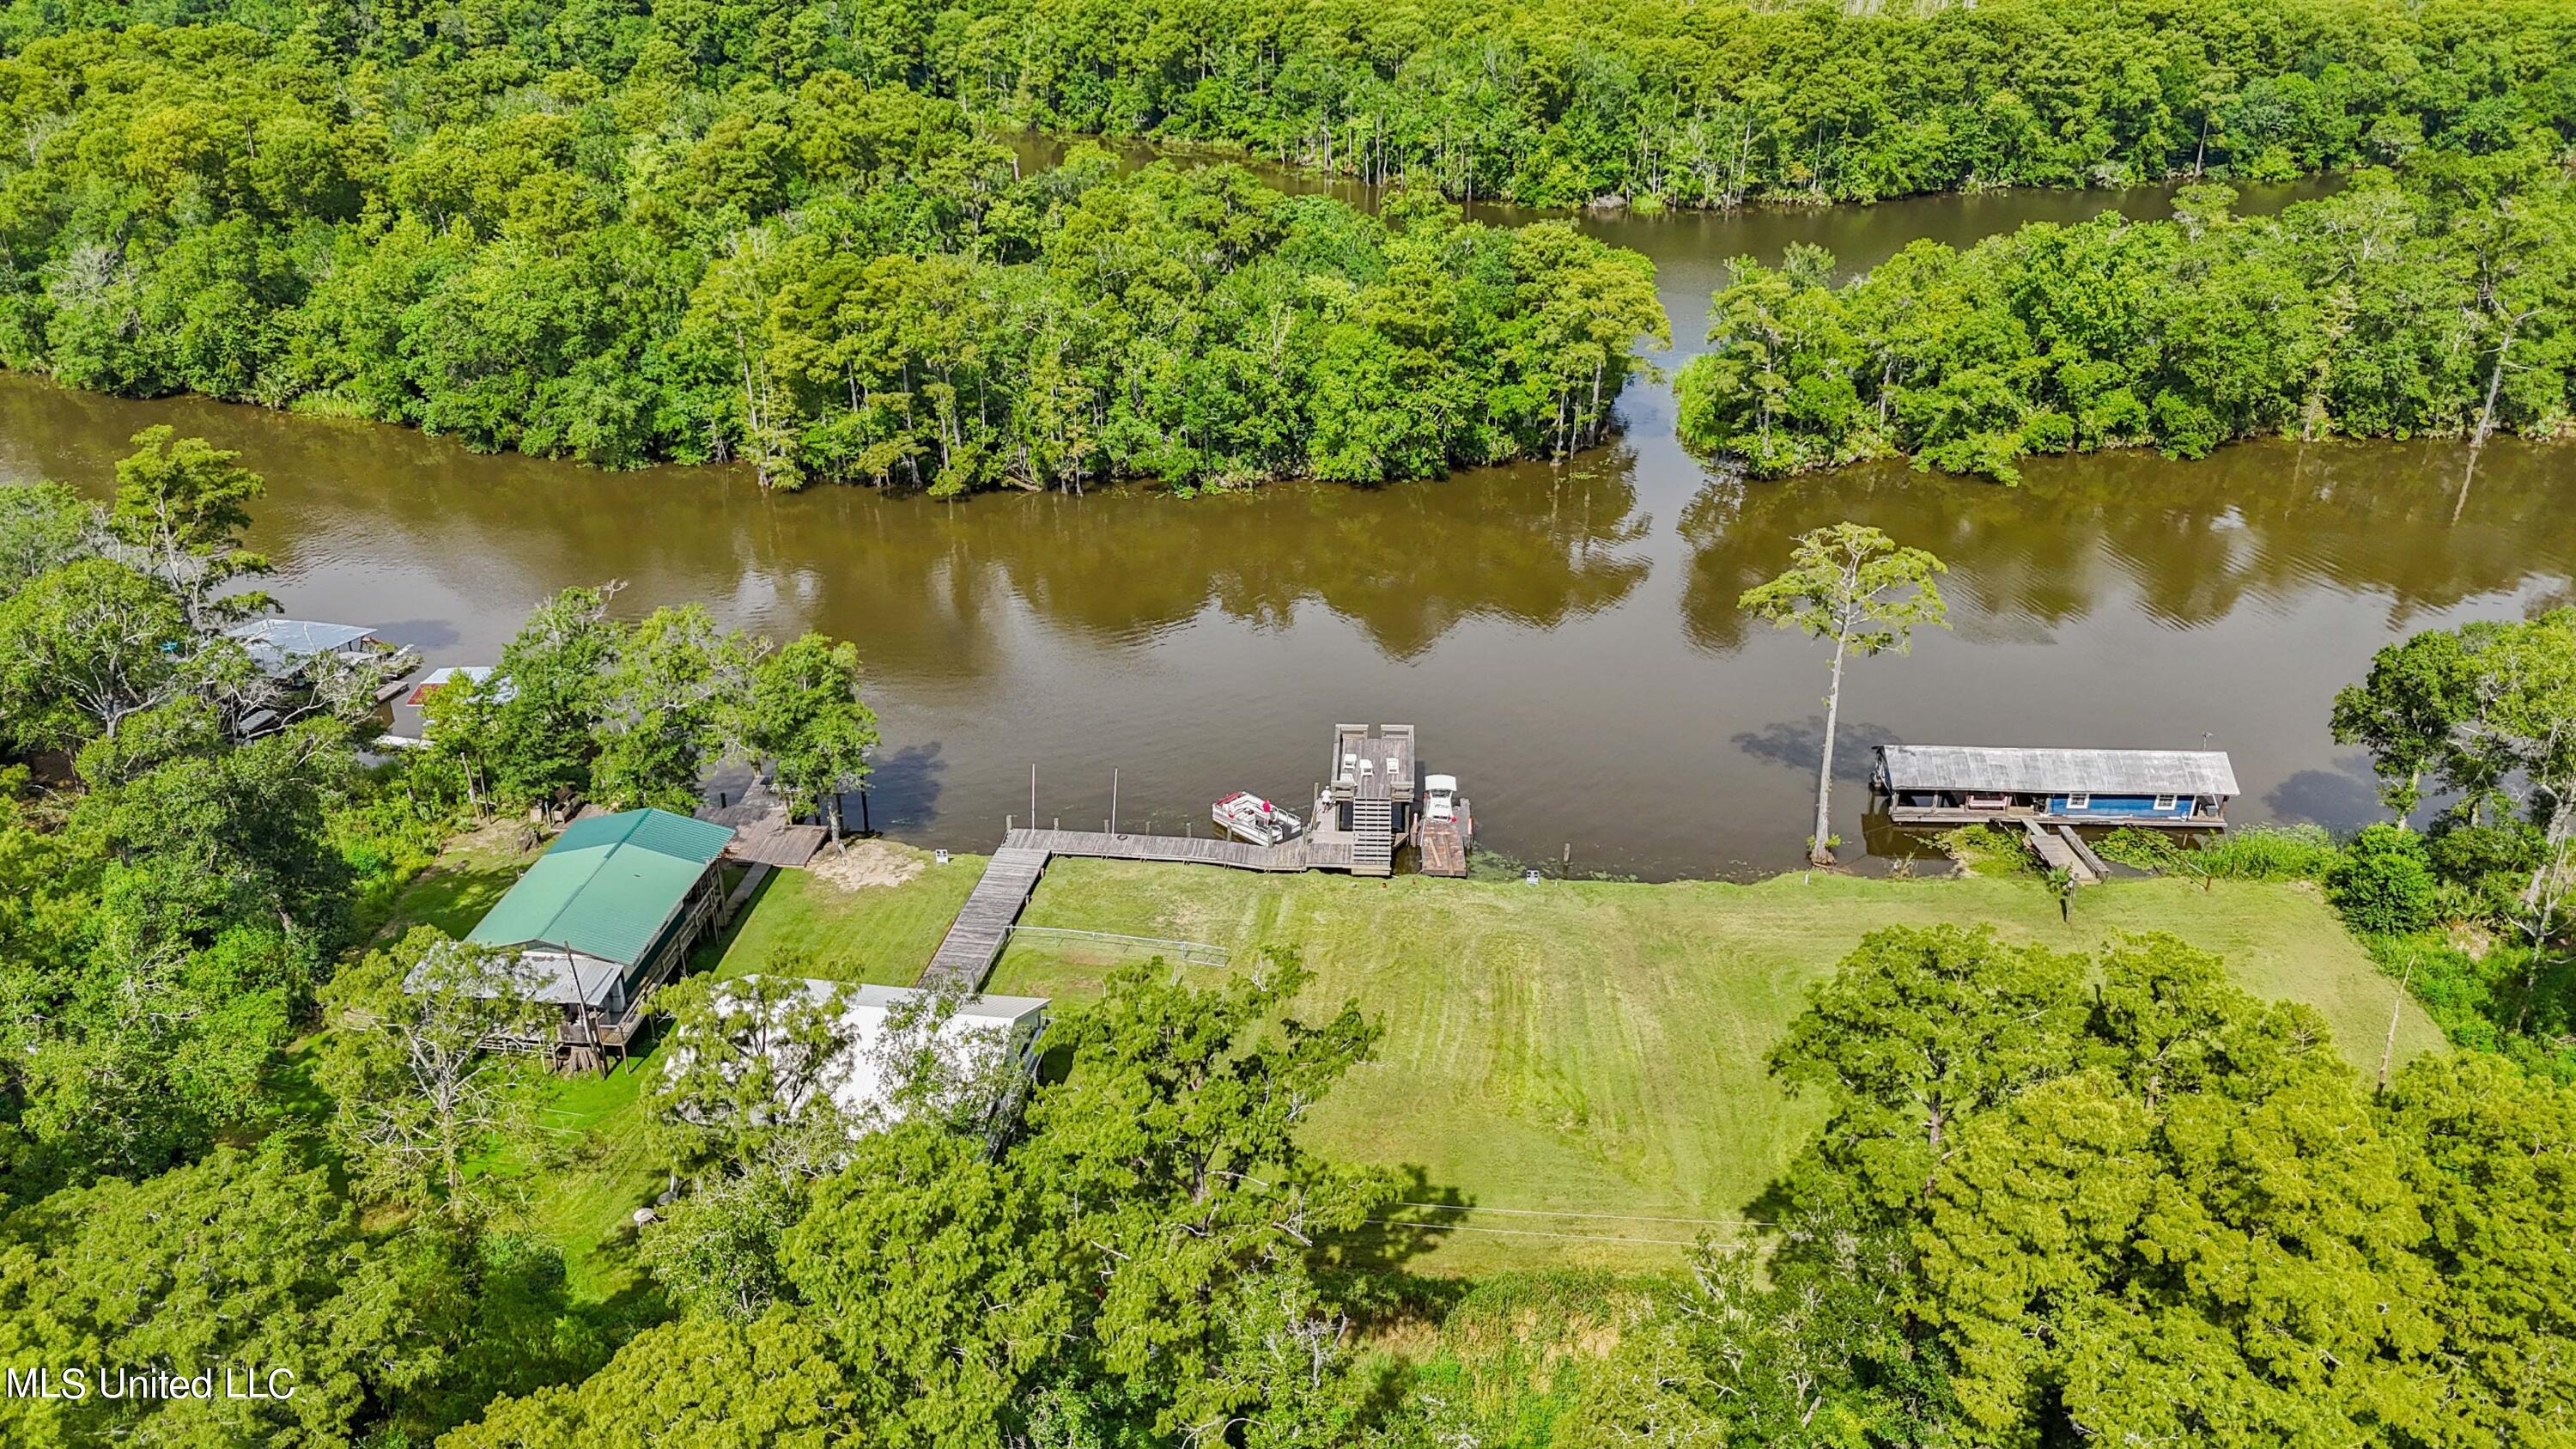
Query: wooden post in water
point(1113, 799)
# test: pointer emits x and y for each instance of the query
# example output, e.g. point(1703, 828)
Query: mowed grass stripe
point(1600, 1047)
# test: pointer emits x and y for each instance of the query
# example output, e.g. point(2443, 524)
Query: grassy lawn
point(1581, 1063)
point(1578, 1048)
point(595, 1172)
point(879, 934)
point(473, 871)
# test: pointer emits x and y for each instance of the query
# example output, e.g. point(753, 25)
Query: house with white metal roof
point(447, 674)
point(973, 1055)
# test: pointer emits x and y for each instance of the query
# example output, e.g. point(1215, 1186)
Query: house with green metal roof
point(607, 915)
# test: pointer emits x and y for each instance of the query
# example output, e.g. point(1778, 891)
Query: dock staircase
point(2065, 850)
point(1373, 837)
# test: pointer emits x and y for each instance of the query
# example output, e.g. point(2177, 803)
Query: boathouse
point(439, 678)
point(605, 918)
point(1961, 784)
point(285, 649)
point(299, 655)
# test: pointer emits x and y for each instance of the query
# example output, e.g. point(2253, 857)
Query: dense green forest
point(645, 250)
point(786, 234)
point(2441, 305)
point(1563, 102)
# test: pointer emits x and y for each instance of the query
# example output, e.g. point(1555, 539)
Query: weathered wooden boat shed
point(1962, 784)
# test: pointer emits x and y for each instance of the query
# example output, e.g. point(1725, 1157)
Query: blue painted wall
point(2121, 805)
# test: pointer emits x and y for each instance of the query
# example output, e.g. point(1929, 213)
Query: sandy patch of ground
point(859, 864)
point(498, 834)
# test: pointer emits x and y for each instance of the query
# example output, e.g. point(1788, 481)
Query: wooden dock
point(2058, 853)
point(762, 832)
point(1306, 852)
point(1440, 846)
point(983, 925)
point(974, 940)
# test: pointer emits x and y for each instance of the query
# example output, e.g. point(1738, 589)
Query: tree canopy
point(2123, 1199)
point(2434, 302)
point(633, 246)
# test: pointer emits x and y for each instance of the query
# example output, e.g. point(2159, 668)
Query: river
point(1565, 638)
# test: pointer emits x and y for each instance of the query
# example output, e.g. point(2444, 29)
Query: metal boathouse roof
point(281, 646)
point(2043, 772)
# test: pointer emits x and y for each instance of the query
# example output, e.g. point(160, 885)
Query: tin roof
point(280, 646)
point(2039, 772)
point(886, 1026)
point(607, 885)
point(448, 674)
point(557, 978)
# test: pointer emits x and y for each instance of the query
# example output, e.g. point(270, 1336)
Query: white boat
point(1248, 817)
point(1440, 797)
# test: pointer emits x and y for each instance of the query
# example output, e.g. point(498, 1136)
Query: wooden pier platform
point(762, 832)
point(1306, 852)
point(983, 925)
point(1440, 846)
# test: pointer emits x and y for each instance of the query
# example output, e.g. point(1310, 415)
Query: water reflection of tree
point(1532, 545)
point(926, 588)
point(2190, 542)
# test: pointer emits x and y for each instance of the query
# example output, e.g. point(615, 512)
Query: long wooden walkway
point(974, 940)
point(1303, 853)
point(983, 925)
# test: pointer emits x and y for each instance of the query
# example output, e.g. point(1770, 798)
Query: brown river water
point(1565, 637)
